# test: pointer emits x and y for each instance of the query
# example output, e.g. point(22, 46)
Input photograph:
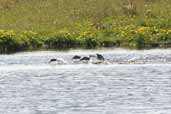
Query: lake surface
point(134, 82)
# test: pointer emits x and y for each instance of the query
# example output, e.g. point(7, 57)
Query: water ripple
point(31, 86)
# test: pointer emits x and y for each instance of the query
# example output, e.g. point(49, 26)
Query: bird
point(52, 60)
point(100, 57)
point(58, 61)
point(76, 57)
point(95, 59)
point(85, 58)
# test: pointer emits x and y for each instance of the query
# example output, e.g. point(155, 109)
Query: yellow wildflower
point(163, 30)
point(141, 29)
point(169, 31)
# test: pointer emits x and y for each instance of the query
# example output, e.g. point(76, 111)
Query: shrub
point(60, 39)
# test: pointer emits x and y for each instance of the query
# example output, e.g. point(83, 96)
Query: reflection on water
point(136, 82)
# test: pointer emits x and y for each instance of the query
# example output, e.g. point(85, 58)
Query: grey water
point(134, 82)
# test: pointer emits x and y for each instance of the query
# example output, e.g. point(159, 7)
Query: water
point(135, 82)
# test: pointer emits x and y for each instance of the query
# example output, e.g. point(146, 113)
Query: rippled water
point(135, 82)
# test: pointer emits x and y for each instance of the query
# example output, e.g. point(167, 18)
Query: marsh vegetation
point(64, 24)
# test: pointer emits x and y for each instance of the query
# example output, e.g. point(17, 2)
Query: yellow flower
point(1, 31)
point(163, 30)
point(169, 31)
point(7, 33)
point(141, 29)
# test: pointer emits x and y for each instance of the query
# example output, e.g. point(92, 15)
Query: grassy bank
point(137, 37)
point(64, 24)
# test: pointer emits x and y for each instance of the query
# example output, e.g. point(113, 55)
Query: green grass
point(58, 24)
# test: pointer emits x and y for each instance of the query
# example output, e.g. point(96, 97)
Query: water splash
point(112, 56)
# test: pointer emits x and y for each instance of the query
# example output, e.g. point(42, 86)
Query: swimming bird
point(58, 61)
point(100, 57)
point(76, 57)
point(94, 59)
point(52, 60)
point(85, 58)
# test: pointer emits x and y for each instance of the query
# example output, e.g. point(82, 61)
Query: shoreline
point(137, 37)
point(85, 49)
point(92, 50)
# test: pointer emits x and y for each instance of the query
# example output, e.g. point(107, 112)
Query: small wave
point(113, 56)
point(71, 66)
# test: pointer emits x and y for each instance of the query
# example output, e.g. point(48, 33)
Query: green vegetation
point(63, 24)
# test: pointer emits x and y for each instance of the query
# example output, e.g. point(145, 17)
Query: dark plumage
point(85, 58)
point(100, 57)
point(52, 60)
point(76, 57)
